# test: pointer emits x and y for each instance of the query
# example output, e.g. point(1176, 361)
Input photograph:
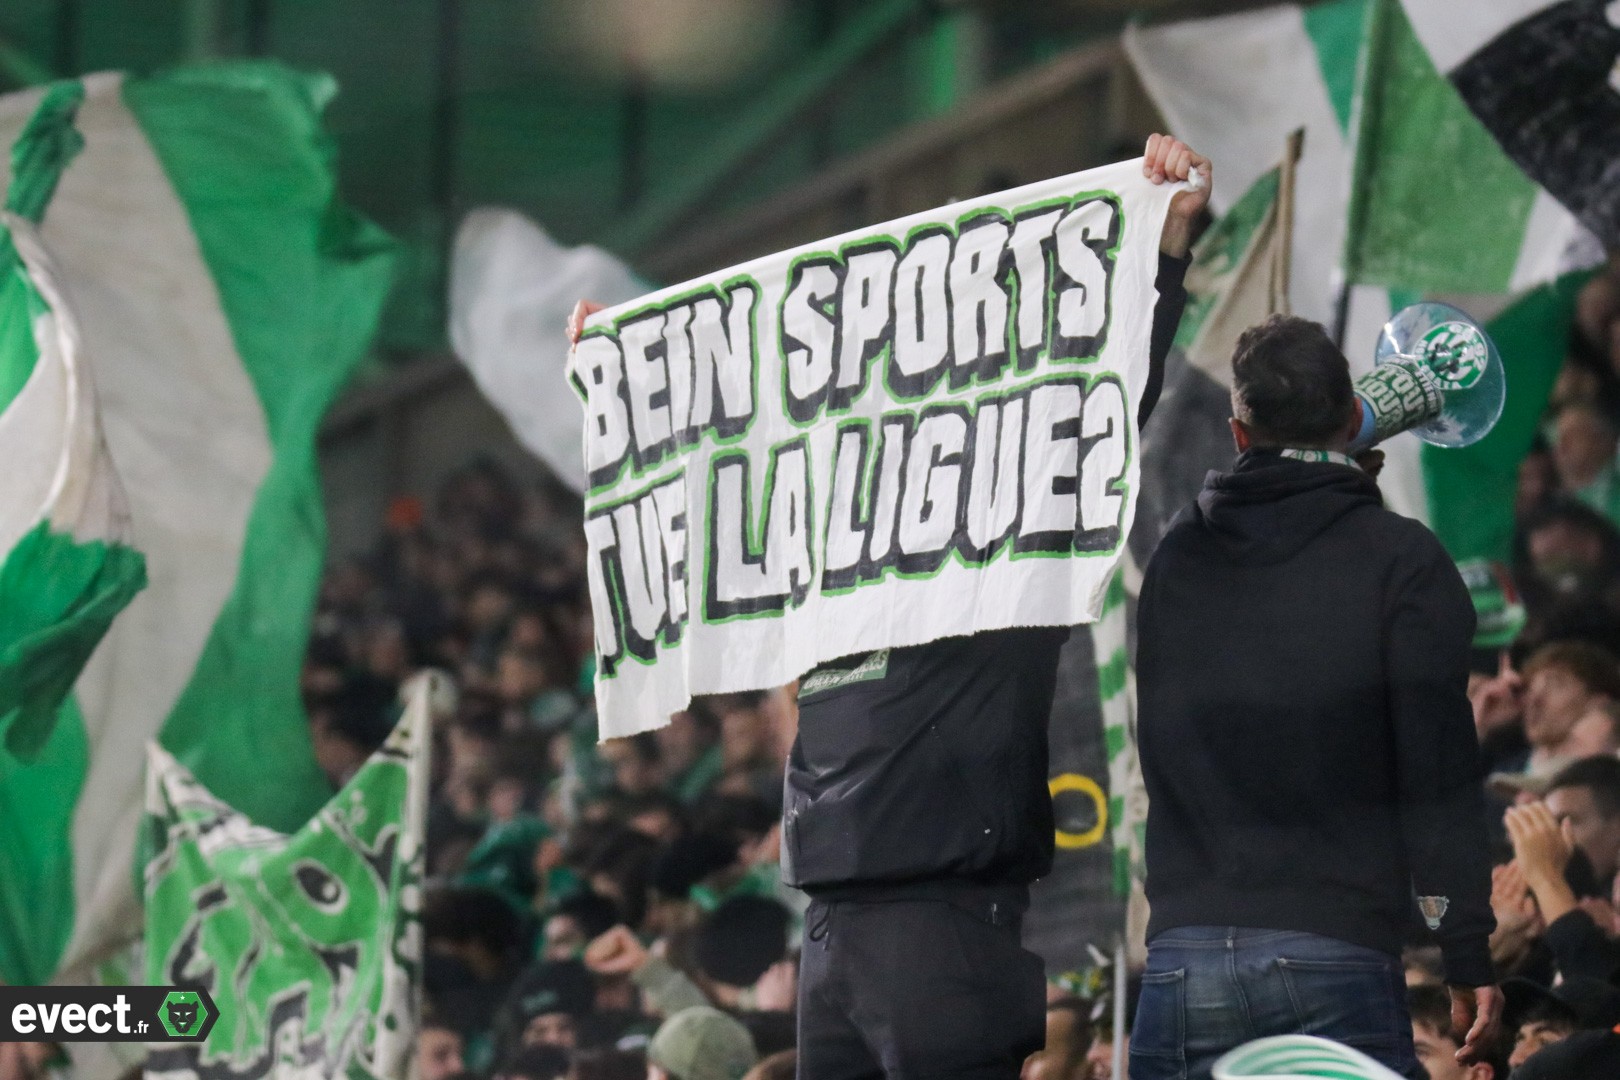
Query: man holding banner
point(916, 807)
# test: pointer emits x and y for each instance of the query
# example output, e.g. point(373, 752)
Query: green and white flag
point(1298, 1057)
point(222, 295)
point(1391, 151)
point(1435, 204)
point(66, 567)
point(1543, 78)
point(309, 944)
point(1235, 86)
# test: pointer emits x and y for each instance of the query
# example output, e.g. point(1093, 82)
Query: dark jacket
point(924, 765)
point(1305, 734)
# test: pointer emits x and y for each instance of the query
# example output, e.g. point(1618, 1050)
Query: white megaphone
point(1436, 374)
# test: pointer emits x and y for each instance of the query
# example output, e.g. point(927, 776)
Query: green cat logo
point(1456, 354)
point(183, 1014)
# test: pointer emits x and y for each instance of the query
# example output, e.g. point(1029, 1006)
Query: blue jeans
point(1208, 989)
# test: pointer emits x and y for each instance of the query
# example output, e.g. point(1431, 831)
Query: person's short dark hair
point(537, 1063)
point(740, 939)
point(594, 913)
point(1430, 1006)
point(1600, 775)
point(1593, 665)
point(689, 860)
point(463, 914)
point(646, 747)
point(739, 816)
point(653, 802)
point(362, 710)
point(1290, 383)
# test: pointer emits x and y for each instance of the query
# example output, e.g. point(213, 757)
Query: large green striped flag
point(222, 296)
point(66, 567)
point(1543, 77)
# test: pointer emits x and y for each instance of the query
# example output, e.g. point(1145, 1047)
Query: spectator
point(700, 1043)
point(1585, 1055)
point(349, 723)
point(1101, 1055)
point(544, 1007)
point(1437, 1043)
point(438, 1051)
point(574, 922)
point(1541, 1017)
point(739, 942)
point(1562, 682)
point(636, 764)
point(1586, 796)
point(1567, 566)
point(1584, 446)
point(693, 758)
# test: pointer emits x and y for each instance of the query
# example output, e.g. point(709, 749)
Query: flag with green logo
point(309, 943)
point(221, 295)
point(66, 564)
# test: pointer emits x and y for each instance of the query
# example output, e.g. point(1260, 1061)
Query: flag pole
point(1281, 266)
point(1119, 1008)
point(1363, 123)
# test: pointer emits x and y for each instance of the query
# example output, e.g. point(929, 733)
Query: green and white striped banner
point(66, 564)
point(222, 296)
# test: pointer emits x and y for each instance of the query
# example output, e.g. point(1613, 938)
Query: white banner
point(913, 431)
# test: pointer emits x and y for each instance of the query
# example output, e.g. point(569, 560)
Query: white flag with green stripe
point(66, 567)
point(222, 296)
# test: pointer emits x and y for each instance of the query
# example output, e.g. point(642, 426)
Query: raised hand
point(1169, 160)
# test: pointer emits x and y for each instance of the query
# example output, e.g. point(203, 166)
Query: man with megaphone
point(1306, 739)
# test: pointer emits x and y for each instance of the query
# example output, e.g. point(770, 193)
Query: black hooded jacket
point(1305, 732)
point(922, 769)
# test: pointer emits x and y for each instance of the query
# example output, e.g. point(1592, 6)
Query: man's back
point(1306, 741)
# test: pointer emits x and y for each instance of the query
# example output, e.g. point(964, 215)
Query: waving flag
point(309, 944)
point(221, 295)
point(1544, 79)
point(66, 567)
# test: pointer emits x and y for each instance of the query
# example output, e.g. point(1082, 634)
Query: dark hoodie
point(1305, 732)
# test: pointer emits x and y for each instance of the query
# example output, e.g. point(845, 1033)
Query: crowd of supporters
point(596, 909)
point(592, 909)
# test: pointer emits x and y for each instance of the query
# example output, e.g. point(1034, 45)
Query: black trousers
point(903, 988)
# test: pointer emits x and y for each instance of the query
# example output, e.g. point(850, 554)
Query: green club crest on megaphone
point(1436, 374)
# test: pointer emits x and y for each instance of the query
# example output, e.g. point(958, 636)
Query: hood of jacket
point(1269, 506)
